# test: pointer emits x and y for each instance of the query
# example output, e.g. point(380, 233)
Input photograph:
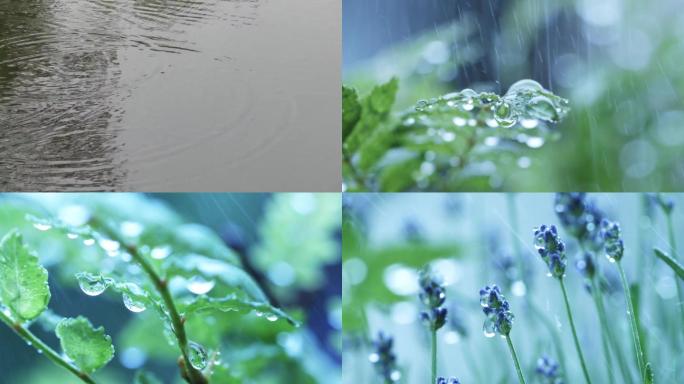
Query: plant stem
point(673, 251)
point(193, 375)
point(574, 332)
point(434, 356)
point(604, 328)
point(43, 348)
point(521, 378)
point(539, 315)
point(636, 339)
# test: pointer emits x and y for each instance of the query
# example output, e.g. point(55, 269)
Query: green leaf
point(227, 276)
point(23, 281)
point(235, 303)
point(375, 109)
point(351, 111)
point(89, 348)
point(674, 264)
point(143, 377)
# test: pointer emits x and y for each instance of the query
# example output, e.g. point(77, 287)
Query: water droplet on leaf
point(92, 284)
point(42, 226)
point(133, 298)
point(197, 355)
point(199, 285)
point(160, 252)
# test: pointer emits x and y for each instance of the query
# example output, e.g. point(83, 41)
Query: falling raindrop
point(42, 226)
point(199, 285)
point(197, 355)
point(92, 284)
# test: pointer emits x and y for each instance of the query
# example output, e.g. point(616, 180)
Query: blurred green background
point(617, 61)
point(288, 242)
point(472, 240)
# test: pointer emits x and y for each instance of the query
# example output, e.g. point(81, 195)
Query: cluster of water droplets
point(525, 106)
point(268, 316)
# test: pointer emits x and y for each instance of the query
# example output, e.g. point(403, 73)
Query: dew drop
point(42, 226)
point(131, 228)
point(92, 284)
point(525, 85)
point(109, 245)
point(373, 357)
point(199, 285)
point(259, 313)
point(529, 123)
point(459, 121)
point(271, 317)
point(89, 242)
point(197, 355)
point(535, 142)
point(489, 328)
point(72, 236)
point(542, 107)
point(160, 252)
point(131, 299)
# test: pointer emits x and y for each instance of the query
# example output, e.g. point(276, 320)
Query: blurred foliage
point(616, 61)
point(461, 140)
point(296, 239)
point(110, 241)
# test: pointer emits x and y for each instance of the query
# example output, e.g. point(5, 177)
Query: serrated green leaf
point(235, 303)
point(23, 281)
point(375, 109)
point(227, 275)
point(671, 262)
point(351, 111)
point(89, 348)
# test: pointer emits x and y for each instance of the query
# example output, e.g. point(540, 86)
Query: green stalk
point(617, 350)
point(43, 348)
point(434, 356)
point(521, 378)
point(632, 322)
point(539, 315)
point(192, 375)
point(604, 329)
point(574, 332)
point(673, 251)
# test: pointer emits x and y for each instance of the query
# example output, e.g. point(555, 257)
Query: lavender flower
point(384, 360)
point(580, 217)
point(612, 237)
point(451, 380)
point(499, 318)
point(432, 295)
point(548, 370)
point(552, 249)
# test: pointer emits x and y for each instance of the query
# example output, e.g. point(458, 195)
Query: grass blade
point(672, 263)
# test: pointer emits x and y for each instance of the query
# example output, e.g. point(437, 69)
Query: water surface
point(169, 95)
